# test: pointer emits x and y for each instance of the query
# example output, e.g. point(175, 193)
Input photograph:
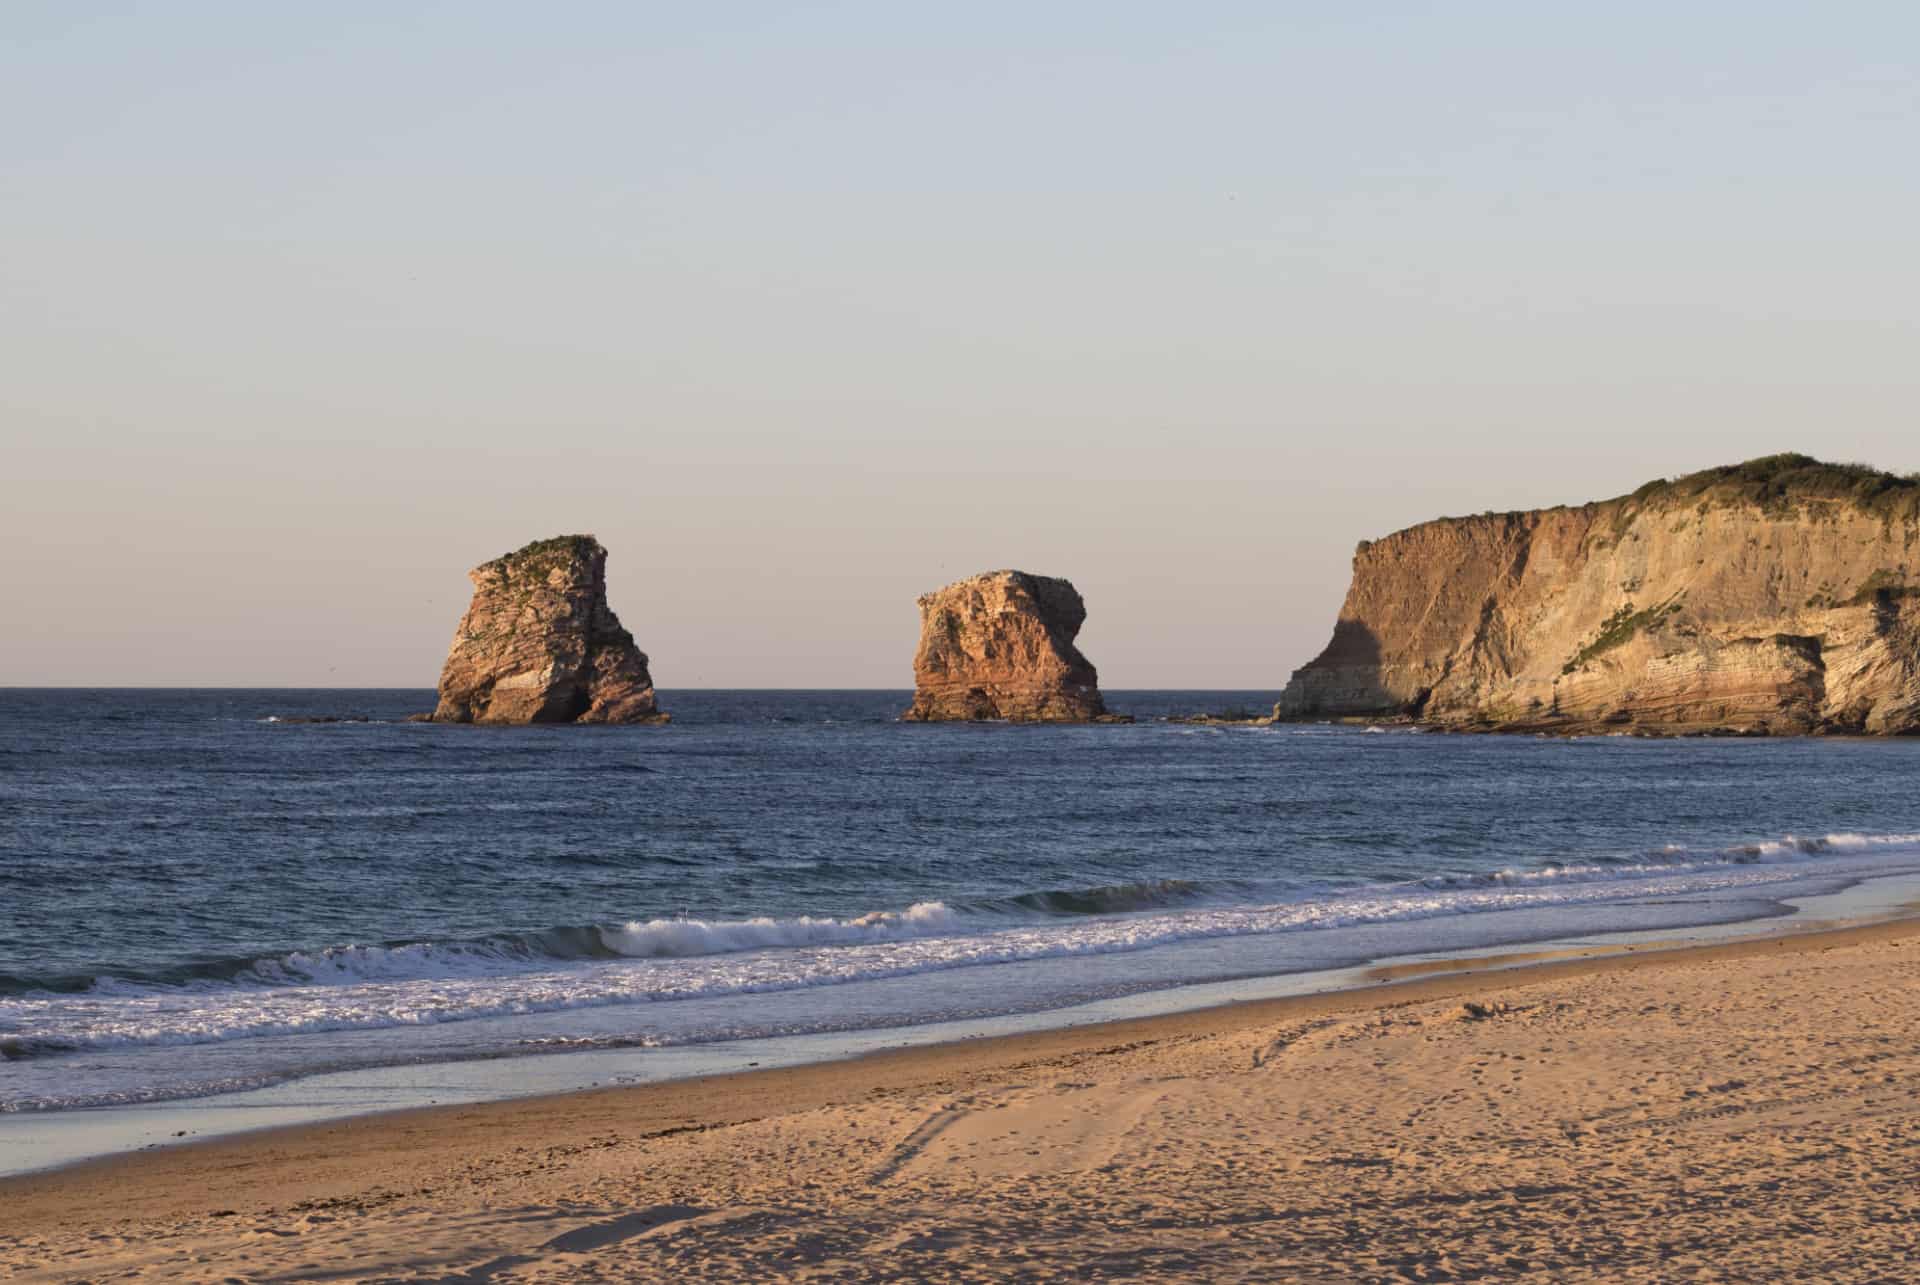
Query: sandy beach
point(1739, 1111)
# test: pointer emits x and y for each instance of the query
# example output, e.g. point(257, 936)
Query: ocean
point(198, 897)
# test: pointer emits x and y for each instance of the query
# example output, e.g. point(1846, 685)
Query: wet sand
point(1741, 1111)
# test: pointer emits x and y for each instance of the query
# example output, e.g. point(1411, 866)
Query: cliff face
point(540, 645)
point(1000, 645)
point(1778, 596)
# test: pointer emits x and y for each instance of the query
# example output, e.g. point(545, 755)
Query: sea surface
point(198, 896)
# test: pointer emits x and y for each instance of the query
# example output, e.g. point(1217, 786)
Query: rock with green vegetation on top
point(1777, 596)
point(540, 645)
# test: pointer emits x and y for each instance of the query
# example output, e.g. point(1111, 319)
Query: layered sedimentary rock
point(540, 645)
point(1777, 596)
point(1000, 645)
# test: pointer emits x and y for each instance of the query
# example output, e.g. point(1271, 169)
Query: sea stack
point(1000, 646)
point(1780, 596)
point(540, 645)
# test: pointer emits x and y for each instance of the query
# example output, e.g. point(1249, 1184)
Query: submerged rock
point(1000, 646)
point(1777, 596)
point(540, 645)
point(1223, 718)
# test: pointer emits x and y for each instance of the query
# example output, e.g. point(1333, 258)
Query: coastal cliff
point(1778, 596)
point(1000, 645)
point(540, 645)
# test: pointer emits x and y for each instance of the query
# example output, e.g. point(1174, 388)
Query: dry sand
point(1737, 1112)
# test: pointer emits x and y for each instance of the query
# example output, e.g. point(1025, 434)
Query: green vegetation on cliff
point(1779, 482)
point(543, 554)
point(1617, 629)
point(1774, 481)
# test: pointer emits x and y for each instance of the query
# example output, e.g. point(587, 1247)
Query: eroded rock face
point(1778, 596)
point(1000, 645)
point(540, 645)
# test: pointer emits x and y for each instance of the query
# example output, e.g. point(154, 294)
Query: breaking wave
point(357, 988)
point(1204, 908)
point(674, 938)
point(1790, 848)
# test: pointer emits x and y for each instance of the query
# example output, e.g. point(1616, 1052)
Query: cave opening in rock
point(579, 701)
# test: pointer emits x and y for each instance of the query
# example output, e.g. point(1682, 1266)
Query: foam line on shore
point(438, 1134)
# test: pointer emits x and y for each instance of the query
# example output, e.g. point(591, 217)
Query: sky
point(806, 310)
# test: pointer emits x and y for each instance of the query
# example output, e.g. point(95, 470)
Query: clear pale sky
point(807, 309)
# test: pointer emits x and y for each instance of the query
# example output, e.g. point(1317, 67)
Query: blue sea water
point(196, 898)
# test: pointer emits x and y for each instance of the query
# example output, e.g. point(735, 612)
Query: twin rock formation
point(539, 644)
point(1780, 596)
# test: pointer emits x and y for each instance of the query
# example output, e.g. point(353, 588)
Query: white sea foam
point(679, 938)
point(663, 961)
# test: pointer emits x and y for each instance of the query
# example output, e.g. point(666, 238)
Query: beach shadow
point(582, 1240)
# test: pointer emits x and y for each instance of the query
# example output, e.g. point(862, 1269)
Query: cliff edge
point(1000, 645)
point(540, 645)
point(1777, 596)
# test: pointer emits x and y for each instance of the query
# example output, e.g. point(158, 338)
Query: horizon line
point(307, 687)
